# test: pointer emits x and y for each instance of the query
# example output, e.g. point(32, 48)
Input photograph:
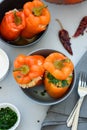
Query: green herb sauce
point(8, 118)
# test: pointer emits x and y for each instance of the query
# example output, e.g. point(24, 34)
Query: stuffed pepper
point(12, 24)
point(37, 17)
point(28, 70)
point(58, 74)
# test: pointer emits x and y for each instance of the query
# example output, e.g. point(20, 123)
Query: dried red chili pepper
point(81, 28)
point(64, 38)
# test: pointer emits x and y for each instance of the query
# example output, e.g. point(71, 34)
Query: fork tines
point(82, 79)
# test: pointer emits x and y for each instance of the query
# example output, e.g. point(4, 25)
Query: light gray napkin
point(57, 114)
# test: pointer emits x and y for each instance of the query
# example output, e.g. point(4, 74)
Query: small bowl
point(5, 6)
point(4, 61)
point(15, 109)
point(37, 93)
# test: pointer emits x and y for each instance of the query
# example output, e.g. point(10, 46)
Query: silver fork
point(82, 91)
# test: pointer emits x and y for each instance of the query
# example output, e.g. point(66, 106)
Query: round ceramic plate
point(38, 93)
point(5, 6)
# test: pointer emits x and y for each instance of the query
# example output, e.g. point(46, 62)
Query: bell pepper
point(58, 65)
point(56, 88)
point(12, 24)
point(27, 68)
point(37, 17)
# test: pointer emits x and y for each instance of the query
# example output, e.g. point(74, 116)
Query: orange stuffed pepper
point(58, 74)
point(37, 18)
point(28, 70)
point(12, 24)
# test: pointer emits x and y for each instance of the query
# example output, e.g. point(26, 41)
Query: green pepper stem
point(59, 64)
point(59, 23)
point(24, 69)
point(17, 19)
point(37, 11)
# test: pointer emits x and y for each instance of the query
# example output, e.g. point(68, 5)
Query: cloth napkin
point(57, 114)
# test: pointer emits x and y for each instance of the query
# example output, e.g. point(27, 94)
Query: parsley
point(43, 93)
point(8, 118)
point(57, 82)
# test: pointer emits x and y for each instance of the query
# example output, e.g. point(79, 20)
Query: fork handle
point(76, 117)
point(71, 116)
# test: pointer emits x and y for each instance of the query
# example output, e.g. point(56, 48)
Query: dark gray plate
point(7, 5)
point(38, 93)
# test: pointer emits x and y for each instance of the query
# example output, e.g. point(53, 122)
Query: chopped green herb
point(35, 91)
point(64, 83)
point(59, 83)
point(8, 118)
point(43, 93)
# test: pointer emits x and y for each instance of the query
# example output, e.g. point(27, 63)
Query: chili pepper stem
point(60, 23)
point(24, 69)
point(38, 10)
